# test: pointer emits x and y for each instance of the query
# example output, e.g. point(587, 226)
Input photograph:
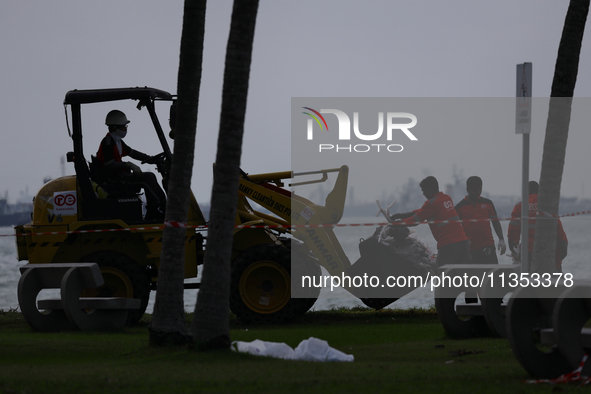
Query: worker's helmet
point(116, 118)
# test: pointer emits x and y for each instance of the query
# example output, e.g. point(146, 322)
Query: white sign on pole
point(523, 101)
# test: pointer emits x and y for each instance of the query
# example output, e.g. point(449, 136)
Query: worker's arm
point(561, 242)
point(134, 154)
point(498, 229)
point(514, 232)
point(415, 217)
point(140, 156)
point(401, 215)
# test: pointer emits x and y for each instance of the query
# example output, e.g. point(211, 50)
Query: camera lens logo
point(394, 121)
point(310, 134)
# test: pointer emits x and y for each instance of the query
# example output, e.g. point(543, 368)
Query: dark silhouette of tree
point(210, 326)
point(563, 86)
point(168, 322)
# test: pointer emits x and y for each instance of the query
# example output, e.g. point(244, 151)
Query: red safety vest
point(478, 232)
point(108, 150)
point(440, 208)
point(514, 233)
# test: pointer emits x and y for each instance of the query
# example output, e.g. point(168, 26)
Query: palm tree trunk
point(210, 327)
point(168, 322)
point(563, 86)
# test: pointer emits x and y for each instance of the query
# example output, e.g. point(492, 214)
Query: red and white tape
point(543, 214)
point(175, 224)
point(278, 226)
point(573, 376)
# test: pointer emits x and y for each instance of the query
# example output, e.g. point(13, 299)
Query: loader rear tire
point(260, 290)
point(123, 278)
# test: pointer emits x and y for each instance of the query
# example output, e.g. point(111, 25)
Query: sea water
point(577, 228)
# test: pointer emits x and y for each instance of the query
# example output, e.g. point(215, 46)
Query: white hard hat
point(116, 118)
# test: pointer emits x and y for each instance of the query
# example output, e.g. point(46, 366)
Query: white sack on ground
point(311, 349)
point(263, 348)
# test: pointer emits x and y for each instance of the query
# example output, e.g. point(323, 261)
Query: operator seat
point(117, 199)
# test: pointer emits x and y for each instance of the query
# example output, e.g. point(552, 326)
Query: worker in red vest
point(110, 154)
point(453, 247)
point(477, 214)
point(514, 232)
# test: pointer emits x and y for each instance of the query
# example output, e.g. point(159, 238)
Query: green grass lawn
point(395, 351)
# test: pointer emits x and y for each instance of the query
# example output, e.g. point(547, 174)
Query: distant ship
point(409, 197)
point(20, 212)
point(14, 214)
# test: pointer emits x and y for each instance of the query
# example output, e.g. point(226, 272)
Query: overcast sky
point(304, 48)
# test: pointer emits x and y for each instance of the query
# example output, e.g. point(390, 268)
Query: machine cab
point(100, 197)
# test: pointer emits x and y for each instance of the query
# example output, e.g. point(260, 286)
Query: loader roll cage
point(145, 96)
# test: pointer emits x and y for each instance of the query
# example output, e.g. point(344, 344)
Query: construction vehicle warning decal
point(307, 213)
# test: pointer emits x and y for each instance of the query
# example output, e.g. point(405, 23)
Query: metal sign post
point(523, 126)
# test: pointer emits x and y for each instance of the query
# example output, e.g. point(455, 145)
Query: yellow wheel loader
point(75, 219)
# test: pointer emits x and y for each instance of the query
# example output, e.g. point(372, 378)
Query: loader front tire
point(261, 286)
point(123, 278)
